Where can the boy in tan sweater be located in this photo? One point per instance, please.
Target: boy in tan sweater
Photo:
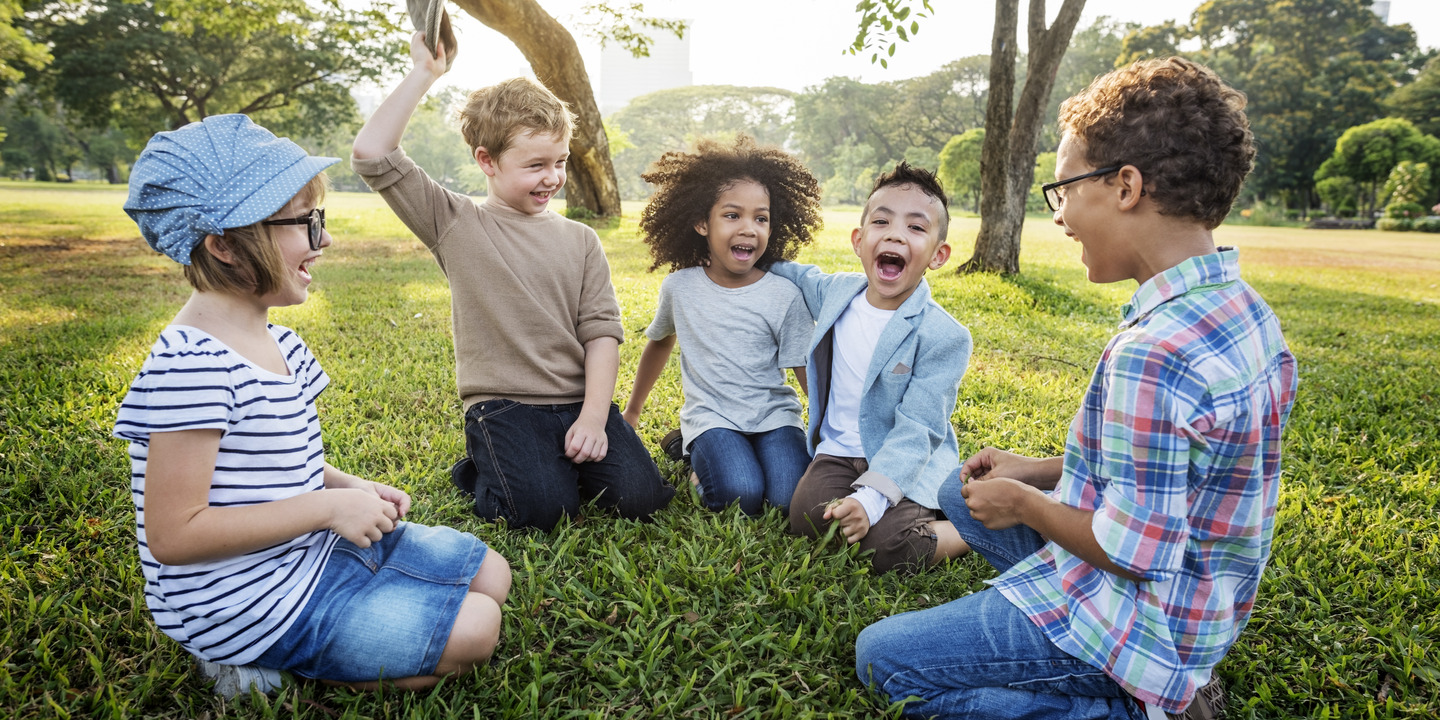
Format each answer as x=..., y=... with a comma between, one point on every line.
x=536, y=324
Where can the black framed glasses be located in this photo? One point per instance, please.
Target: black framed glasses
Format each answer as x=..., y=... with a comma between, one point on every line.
x=314, y=221
x=1054, y=198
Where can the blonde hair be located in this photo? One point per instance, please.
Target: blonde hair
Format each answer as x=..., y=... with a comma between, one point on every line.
x=257, y=264
x=493, y=116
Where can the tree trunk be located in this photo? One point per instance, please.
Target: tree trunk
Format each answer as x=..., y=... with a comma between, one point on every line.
x=555, y=58
x=1007, y=159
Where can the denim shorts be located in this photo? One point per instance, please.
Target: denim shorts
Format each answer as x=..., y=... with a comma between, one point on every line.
x=382, y=612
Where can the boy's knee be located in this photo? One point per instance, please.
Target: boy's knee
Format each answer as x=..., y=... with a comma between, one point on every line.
x=807, y=522
x=872, y=649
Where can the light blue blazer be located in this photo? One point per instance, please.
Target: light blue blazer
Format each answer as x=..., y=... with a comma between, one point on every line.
x=909, y=390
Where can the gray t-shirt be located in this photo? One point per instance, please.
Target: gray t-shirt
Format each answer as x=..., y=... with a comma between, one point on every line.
x=734, y=346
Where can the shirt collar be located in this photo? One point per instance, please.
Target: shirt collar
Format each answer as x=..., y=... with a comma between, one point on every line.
x=1218, y=268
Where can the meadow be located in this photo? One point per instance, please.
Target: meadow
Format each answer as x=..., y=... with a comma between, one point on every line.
x=699, y=614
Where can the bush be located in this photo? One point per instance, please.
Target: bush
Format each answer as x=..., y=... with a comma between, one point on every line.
x=1346, y=211
x=1395, y=224
x=1428, y=224
x=1292, y=214
x=577, y=212
x=1404, y=210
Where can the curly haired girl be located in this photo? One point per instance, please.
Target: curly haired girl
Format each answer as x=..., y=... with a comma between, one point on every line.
x=722, y=214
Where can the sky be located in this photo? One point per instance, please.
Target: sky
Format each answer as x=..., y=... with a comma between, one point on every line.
x=794, y=44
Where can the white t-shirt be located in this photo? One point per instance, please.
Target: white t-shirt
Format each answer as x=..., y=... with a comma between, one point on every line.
x=856, y=333
x=231, y=610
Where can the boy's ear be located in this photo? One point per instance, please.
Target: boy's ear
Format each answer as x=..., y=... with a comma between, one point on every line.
x=217, y=246
x=941, y=256
x=488, y=163
x=855, y=240
x=1131, y=185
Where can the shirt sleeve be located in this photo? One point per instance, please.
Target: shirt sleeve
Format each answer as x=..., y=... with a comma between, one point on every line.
x=1146, y=441
x=179, y=388
x=663, y=325
x=874, y=502
x=812, y=281
x=796, y=330
x=423, y=205
x=599, y=310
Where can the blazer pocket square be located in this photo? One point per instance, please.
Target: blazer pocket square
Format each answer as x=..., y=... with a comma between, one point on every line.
x=901, y=369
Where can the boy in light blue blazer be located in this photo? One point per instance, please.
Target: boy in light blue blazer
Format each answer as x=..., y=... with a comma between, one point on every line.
x=884, y=369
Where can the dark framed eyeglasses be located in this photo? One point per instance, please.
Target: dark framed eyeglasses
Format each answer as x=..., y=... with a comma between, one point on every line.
x=1054, y=198
x=314, y=221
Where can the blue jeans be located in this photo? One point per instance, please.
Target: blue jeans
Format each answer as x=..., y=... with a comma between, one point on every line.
x=749, y=468
x=979, y=656
x=518, y=469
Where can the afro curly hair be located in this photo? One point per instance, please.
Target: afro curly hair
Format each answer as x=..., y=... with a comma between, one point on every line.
x=690, y=183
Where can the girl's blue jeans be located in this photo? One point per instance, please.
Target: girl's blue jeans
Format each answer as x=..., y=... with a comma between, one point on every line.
x=749, y=468
x=979, y=656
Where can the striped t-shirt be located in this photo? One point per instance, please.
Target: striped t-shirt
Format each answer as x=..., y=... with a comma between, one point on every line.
x=231, y=610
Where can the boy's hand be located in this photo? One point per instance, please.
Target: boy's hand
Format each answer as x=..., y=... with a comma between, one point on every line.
x=586, y=441
x=436, y=64
x=998, y=502
x=361, y=515
x=991, y=463
x=854, y=523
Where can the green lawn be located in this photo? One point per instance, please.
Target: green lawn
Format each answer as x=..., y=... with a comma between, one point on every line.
x=699, y=614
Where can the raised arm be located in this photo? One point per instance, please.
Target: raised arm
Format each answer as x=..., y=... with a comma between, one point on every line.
x=652, y=363
x=382, y=132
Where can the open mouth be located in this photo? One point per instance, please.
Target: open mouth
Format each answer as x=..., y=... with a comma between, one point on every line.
x=889, y=266
x=542, y=195
x=743, y=253
x=305, y=268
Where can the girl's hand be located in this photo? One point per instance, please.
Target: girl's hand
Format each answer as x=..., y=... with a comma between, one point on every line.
x=395, y=496
x=854, y=523
x=361, y=515
x=586, y=441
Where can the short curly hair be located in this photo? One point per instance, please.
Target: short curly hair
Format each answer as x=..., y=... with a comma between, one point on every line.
x=690, y=183
x=494, y=116
x=1176, y=121
x=906, y=174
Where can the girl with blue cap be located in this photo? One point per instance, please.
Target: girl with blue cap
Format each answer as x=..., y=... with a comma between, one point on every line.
x=258, y=555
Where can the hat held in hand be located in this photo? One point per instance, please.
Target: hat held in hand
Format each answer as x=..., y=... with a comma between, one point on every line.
x=429, y=17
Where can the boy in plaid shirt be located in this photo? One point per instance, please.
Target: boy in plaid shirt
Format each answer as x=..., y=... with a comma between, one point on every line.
x=1130, y=565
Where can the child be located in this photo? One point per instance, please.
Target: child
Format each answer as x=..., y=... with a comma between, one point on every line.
x=537, y=328
x=720, y=217
x=1133, y=576
x=884, y=370
x=257, y=554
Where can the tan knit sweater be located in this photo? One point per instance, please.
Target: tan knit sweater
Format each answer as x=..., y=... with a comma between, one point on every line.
x=526, y=291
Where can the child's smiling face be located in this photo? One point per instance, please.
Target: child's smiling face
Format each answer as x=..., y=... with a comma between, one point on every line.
x=898, y=242
x=737, y=231
x=528, y=173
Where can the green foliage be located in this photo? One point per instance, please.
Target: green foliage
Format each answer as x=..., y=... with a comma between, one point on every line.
x=1338, y=191
x=146, y=67
x=1368, y=153
x=17, y=51
x=1093, y=51
x=1309, y=70
x=674, y=119
x=1419, y=101
x=579, y=213
x=854, y=174
x=1392, y=224
x=1409, y=182
x=1404, y=210
x=1263, y=214
x=960, y=168
x=879, y=19
x=1044, y=173
x=626, y=24
x=700, y=614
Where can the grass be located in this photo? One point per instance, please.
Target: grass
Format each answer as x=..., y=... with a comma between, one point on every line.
x=698, y=614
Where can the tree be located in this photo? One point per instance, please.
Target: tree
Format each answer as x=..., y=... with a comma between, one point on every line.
x=157, y=65
x=1093, y=52
x=960, y=167
x=672, y=119
x=18, y=52
x=1419, y=102
x=1011, y=134
x=1368, y=153
x=1408, y=183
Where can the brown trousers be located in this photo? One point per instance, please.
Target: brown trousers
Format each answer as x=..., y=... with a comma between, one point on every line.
x=902, y=540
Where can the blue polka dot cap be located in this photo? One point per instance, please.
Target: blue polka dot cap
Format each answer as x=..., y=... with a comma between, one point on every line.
x=221, y=172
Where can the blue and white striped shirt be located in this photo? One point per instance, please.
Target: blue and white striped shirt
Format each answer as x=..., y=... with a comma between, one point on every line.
x=231, y=610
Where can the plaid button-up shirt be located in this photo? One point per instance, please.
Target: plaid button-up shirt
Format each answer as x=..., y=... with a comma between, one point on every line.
x=1176, y=450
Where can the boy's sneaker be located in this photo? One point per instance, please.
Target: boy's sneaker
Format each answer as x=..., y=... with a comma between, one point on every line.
x=674, y=445
x=1209, y=702
x=235, y=680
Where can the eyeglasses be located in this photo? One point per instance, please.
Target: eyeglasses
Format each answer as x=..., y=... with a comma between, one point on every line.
x=314, y=221
x=1054, y=198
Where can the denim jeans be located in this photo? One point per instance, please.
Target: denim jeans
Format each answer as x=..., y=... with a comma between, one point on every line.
x=979, y=656
x=749, y=468
x=521, y=472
